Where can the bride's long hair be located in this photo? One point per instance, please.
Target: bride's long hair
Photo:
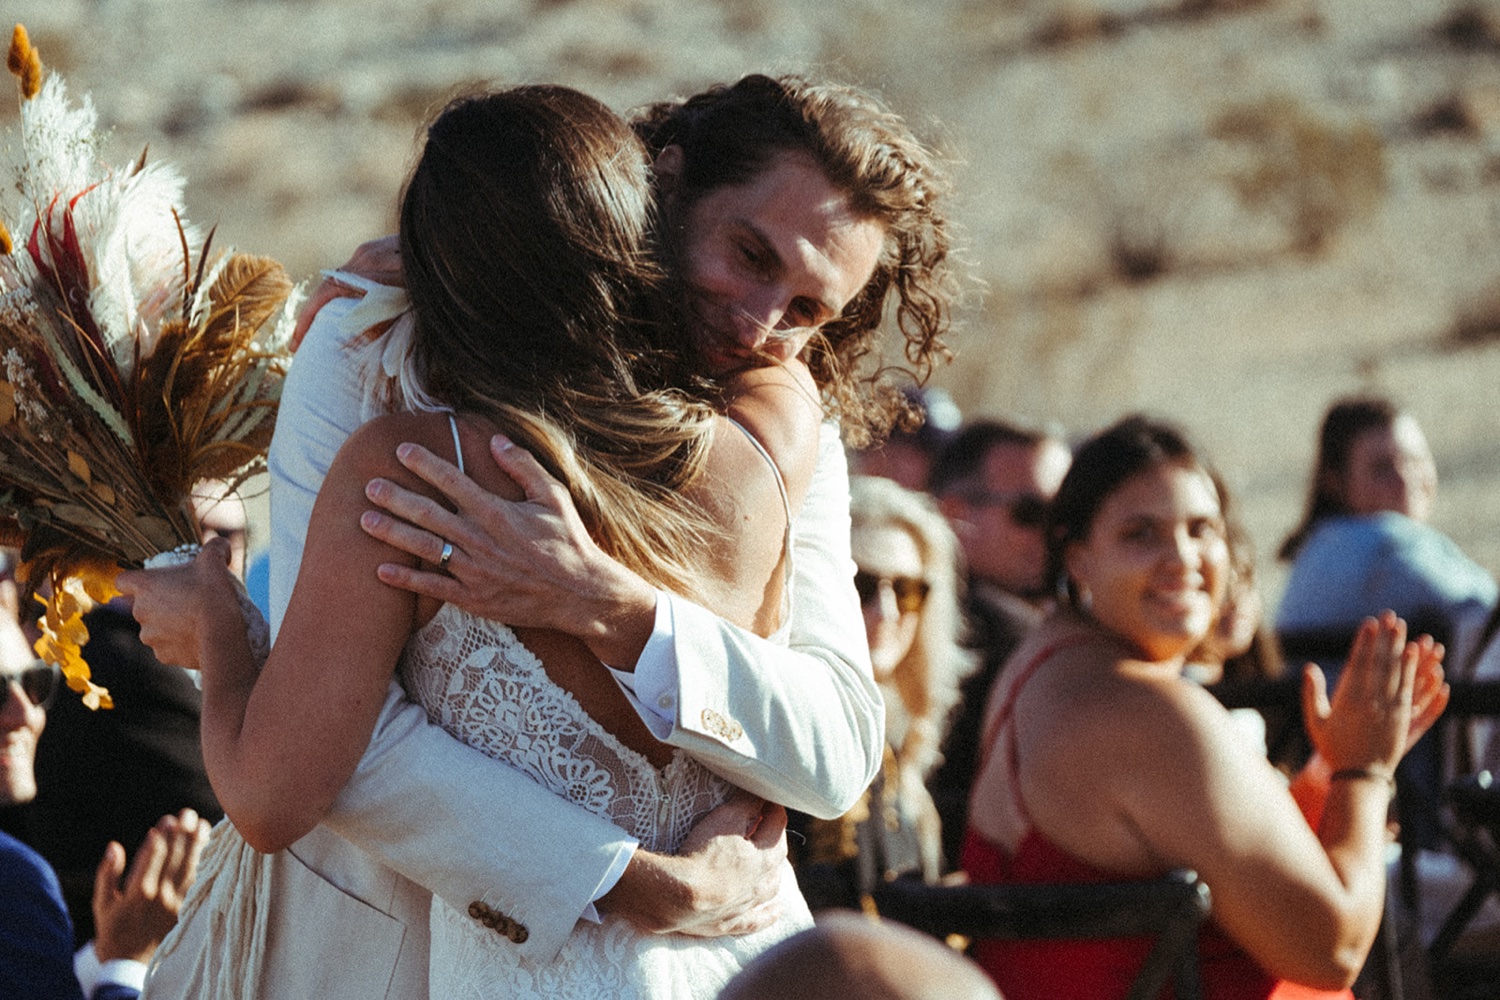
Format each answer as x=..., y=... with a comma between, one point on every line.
x=525, y=243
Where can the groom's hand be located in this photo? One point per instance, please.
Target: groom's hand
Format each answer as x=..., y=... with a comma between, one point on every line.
x=527, y=562
x=724, y=881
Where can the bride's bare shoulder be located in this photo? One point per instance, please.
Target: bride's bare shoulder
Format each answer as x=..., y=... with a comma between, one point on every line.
x=781, y=407
x=373, y=444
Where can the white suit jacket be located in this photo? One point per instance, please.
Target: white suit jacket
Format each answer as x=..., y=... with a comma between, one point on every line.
x=423, y=813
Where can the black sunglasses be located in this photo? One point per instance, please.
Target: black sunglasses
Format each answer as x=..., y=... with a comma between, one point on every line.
x=910, y=592
x=1026, y=510
x=39, y=682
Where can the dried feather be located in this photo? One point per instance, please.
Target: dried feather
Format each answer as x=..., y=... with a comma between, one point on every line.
x=248, y=292
x=191, y=291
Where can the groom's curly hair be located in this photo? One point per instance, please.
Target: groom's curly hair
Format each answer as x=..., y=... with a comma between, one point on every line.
x=730, y=133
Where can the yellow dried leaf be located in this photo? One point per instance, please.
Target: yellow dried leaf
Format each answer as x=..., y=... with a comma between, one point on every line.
x=79, y=466
x=97, y=697
x=7, y=246
x=100, y=490
x=98, y=582
x=20, y=45
x=64, y=636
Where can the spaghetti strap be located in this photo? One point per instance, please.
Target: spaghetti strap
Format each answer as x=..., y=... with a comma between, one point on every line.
x=786, y=535
x=786, y=503
x=1008, y=709
x=458, y=448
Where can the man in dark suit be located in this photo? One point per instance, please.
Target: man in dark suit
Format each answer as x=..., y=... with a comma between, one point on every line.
x=36, y=936
x=993, y=481
x=109, y=775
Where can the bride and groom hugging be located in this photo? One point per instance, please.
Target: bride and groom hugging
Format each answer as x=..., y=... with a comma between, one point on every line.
x=702, y=479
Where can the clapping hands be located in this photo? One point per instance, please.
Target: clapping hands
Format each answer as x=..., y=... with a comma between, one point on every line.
x=1390, y=693
x=133, y=914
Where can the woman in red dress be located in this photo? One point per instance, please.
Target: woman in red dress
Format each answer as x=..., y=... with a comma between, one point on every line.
x=1101, y=763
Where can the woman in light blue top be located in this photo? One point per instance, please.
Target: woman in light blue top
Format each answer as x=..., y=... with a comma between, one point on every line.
x=1364, y=544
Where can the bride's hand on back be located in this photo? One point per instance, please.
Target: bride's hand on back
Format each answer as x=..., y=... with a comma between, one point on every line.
x=528, y=562
x=377, y=259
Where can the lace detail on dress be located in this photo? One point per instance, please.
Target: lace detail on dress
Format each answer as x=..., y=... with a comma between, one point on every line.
x=481, y=684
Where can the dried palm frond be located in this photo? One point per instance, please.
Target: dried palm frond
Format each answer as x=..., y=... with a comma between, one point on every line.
x=135, y=362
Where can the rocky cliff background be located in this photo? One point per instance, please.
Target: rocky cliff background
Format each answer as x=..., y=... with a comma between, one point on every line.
x=1225, y=211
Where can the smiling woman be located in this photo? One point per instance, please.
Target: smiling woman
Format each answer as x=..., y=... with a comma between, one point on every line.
x=1101, y=763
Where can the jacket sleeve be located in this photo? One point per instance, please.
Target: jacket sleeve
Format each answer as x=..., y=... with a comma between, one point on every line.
x=472, y=829
x=801, y=724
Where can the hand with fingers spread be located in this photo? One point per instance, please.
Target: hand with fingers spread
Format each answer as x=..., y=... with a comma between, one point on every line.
x=132, y=914
x=1390, y=692
x=377, y=259
x=528, y=563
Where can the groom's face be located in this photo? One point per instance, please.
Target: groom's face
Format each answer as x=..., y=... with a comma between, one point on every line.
x=769, y=261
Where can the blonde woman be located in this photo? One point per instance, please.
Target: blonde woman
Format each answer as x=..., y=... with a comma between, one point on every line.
x=907, y=579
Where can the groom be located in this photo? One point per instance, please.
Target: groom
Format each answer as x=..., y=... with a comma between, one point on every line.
x=752, y=177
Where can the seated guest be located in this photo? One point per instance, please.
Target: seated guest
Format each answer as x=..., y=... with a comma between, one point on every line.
x=1364, y=545
x=36, y=936
x=108, y=775
x=1100, y=762
x=907, y=581
x=1239, y=651
x=993, y=482
x=848, y=956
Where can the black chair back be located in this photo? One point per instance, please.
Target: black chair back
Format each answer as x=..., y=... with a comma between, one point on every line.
x=1171, y=909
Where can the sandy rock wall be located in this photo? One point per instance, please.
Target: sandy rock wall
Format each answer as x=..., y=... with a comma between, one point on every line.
x=1227, y=211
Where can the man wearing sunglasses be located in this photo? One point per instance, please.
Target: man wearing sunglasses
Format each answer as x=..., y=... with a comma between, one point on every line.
x=993, y=482
x=36, y=936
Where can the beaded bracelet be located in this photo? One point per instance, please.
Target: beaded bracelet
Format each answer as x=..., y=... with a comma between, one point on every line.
x=1365, y=774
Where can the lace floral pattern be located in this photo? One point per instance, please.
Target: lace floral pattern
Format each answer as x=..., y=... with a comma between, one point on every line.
x=481, y=684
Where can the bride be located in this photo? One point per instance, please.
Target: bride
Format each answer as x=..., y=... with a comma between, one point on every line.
x=524, y=245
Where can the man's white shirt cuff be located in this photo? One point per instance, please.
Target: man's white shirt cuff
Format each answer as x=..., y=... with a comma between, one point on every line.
x=652, y=686
x=93, y=973
x=611, y=878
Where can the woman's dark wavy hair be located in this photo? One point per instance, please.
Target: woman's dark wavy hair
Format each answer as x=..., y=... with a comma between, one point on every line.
x=524, y=233
x=1101, y=465
x=1345, y=421
x=729, y=134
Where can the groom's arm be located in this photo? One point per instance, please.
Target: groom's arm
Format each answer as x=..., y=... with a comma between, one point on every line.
x=800, y=724
x=473, y=830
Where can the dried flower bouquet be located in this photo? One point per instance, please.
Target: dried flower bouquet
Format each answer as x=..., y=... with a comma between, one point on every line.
x=135, y=363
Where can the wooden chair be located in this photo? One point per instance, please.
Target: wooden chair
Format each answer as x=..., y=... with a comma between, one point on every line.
x=1170, y=908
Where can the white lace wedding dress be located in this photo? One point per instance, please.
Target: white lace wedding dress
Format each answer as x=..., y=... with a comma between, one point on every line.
x=478, y=681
